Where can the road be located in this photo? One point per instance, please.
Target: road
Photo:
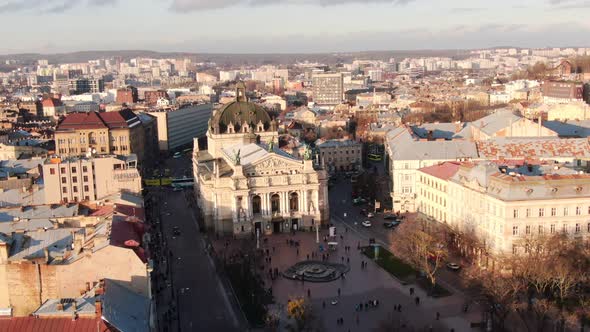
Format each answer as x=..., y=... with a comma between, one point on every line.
x=196, y=290
x=346, y=214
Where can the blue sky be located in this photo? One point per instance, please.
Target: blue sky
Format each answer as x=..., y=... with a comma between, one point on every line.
x=282, y=26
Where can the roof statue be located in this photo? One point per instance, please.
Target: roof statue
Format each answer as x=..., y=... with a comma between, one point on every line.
x=271, y=146
x=307, y=152
x=237, y=158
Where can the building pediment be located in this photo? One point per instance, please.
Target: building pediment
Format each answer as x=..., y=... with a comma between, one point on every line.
x=273, y=163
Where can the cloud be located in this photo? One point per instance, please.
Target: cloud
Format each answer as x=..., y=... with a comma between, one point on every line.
x=570, y=4
x=466, y=10
x=194, y=5
x=49, y=6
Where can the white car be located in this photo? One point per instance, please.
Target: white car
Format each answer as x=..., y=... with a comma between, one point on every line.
x=177, y=155
x=370, y=215
x=366, y=223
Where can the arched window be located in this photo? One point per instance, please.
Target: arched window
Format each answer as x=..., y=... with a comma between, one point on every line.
x=256, y=205
x=275, y=203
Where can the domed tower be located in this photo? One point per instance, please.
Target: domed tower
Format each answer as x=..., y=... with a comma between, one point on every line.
x=240, y=122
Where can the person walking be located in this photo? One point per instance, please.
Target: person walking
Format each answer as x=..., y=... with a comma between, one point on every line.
x=437, y=315
x=308, y=292
x=417, y=300
x=338, y=291
x=411, y=290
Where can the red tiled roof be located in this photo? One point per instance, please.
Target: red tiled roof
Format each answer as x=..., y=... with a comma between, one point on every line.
x=26, y=324
x=442, y=171
x=90, y=120
x=106, y=210
x=113, y=119
x=130, y=211
x=51, y=102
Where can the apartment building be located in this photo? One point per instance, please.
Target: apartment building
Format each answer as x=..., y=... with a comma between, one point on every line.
x=89, y=179
x=340, y=155
x=328, y=88
x=562, y=91
x=121, y=132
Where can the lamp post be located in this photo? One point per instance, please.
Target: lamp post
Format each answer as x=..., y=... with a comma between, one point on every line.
x=317, y=233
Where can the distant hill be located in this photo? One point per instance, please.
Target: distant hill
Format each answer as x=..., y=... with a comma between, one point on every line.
x=236, y=59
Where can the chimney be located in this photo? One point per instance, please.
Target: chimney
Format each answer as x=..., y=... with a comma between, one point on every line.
x=98, y=306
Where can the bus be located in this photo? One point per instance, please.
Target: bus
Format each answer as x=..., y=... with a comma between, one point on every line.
x=183, y=182
x=374, y=157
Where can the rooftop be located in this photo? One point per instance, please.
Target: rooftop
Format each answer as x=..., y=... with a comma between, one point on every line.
x=442, y=171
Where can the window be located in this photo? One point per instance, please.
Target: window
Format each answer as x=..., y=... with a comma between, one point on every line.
x=407, y=190
x=541, y=229
x=86, y=188
x=75, y=189
x=541, y=212
x=528, y=230
x=515, y=213
x=528, y=213
x=565, y=211
x=85, y=178
x=514, y=230
x=73, y=169
x=86, y=198
x=74, y=179
x=63, y=169
x=552, y=228
x=588, y=227
x=64, y=190
x=64, y=180
x=52, y=171
x=578, y=210
x=553, y=212
x=578, y=228
x=514, y=249
x=84, y=169
x=564, y=228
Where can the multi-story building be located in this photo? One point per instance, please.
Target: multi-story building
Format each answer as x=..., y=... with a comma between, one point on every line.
x=89, y=179
x=52, y=107
x=121, y=133
x=503, y=205
x=151, y=97
x=340, y=155
x=178, y=127
x=128, y=95
x=328, y=88
x=562, y=91
x=432, y=189
x=244, y=184
x=86, y=85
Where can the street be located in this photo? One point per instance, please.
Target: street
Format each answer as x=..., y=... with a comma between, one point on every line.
x=192, y=288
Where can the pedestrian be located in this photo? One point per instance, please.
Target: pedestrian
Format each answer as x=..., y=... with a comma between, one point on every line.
x=347, y=259
x=324, y=304
x=399, y=308
x=342, y=237
x=338, y=291
x=297, y=251
x=342, y=258
x=307, y=256
x=411, y=290
x=362, y=264
x=437, y=315
x=308, y=292
x=273, y=249
x=417, y=300
x=269, y=259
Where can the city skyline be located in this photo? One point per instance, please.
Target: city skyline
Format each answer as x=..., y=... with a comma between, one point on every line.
x=314, y=26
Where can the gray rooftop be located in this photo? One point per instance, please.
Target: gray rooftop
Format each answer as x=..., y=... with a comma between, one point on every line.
x=31, y=245
x=39, y=212
x=570, y=128
x=444, y=130
x=124, y=309
x=250, y=153
x=84, y=306
x=404, y=147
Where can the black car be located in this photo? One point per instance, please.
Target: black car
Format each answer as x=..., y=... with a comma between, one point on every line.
x=390, y=217
x=391, y=224
x=175, y=231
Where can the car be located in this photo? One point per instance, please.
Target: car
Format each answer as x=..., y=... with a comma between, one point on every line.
x=366, y=223
x=390, y=217
x=177, y=155
x=177, y=189
x=391, y=224
x=175, y=231
x=370, y=215
x=453, y=266
x=359, y=201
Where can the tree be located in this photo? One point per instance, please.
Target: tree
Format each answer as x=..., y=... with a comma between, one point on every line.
x=301, y=314
x=423, y=248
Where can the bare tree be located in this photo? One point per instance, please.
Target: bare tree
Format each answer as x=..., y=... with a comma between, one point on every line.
x=423, y=249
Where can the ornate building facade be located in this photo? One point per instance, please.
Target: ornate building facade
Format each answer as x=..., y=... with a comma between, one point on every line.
x=245, y=184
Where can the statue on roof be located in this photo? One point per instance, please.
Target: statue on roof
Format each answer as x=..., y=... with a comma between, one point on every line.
x=307, y=152
x=271, y=145
x=237, y=158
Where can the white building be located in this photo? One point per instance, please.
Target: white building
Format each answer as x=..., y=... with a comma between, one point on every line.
x=244, y=184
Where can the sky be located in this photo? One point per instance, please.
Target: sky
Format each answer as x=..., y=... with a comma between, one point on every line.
x=289, y=26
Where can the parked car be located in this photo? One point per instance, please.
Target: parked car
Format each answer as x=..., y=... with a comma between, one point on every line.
x=177, y=155
x=370, y=215
x=175, y=231
x=359, y=201
x=390, y=217
x=367, y=223
x=391, y=224
x=453, y=266
x=363, y=212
